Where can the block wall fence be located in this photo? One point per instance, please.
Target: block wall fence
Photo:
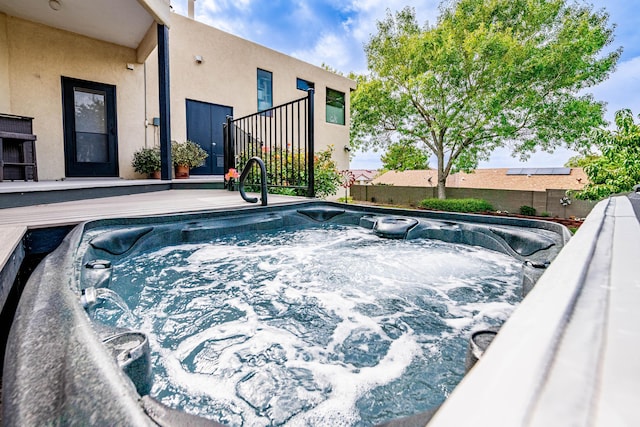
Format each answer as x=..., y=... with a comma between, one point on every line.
x=504, y=200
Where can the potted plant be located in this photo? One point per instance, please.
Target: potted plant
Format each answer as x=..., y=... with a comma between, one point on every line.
x=187, y=155
x=147, y=161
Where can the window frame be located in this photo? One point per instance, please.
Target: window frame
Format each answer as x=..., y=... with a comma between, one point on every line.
x=307, y=83
x=341, y=119
x=267, y=88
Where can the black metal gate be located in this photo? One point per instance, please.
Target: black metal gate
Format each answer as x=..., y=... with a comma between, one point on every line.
x=283, y=137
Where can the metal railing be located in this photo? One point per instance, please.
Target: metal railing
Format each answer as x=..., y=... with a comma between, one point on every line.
x=283, y=137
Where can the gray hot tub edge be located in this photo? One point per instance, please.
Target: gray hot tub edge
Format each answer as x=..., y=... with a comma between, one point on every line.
x=568, y=355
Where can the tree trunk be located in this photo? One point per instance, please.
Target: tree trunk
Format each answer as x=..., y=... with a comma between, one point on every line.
x=442, y=179
x=442, y=192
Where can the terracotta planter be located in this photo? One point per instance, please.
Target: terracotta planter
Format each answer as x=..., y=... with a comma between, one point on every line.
x=155, y=175
x=182, y=172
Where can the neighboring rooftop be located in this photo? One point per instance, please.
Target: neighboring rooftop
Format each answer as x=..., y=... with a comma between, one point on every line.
x=500, y=179
x=364, y=175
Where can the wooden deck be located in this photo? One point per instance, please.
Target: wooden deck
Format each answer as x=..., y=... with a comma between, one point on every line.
x=14, y=222
x=134, y=205
x=19, y=194
x=10, y=237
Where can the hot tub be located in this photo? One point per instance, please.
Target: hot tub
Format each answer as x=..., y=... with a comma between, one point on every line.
x=220, y=330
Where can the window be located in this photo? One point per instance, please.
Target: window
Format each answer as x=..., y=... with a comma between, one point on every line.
x=335, y=107
x=265, y=90
x=305, y=85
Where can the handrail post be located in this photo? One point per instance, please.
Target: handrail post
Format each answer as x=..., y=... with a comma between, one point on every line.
x=311, y=150
x=229, y=149
x=263, y=181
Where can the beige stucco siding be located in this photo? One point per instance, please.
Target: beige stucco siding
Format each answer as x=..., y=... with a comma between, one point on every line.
x=38, y=57
x=5, y=88
x=34, y=57
x=228, y=74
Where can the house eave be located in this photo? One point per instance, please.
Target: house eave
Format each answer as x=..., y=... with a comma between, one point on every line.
x=121, y=22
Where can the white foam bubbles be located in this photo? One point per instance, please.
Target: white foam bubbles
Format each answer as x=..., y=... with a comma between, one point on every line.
x=301, y=328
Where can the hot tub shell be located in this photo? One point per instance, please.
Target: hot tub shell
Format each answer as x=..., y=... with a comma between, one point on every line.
x=57, y=366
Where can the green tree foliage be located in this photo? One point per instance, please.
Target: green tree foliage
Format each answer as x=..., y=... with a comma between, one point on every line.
x=581, y=160
x=489, y=73
x=618, y=169
x=401, y=156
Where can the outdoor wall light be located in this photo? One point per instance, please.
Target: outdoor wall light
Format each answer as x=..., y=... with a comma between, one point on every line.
x=347, y=148
x=198, y=59
x=55, y=5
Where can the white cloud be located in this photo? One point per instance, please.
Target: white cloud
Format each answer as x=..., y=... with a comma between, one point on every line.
x=365, y=15
x=501, y=158
x=227, y=15
x=366, y=160
x=368, y=12
x=343, y=47
x=621, y=89
x=302, y=12
x=235, y=26
x=222, y=6
x=331, y=48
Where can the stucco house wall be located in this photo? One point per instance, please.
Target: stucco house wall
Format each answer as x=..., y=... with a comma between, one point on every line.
x=227, y=76
x=34, y=57
x=5, y=92
x=38, y=56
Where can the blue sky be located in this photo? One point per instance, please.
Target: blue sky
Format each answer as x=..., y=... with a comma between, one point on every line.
x=334, y=32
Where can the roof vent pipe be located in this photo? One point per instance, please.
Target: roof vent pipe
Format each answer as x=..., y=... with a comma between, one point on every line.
x=192, y=7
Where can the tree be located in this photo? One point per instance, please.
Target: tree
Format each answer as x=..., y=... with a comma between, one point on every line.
x=401, y=156
x=617, y=170
x=581, y=160
x=488, y=74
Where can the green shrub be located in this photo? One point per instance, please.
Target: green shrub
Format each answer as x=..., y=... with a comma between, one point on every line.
x=287, y=175
x=545, y=214
x=188, y=153
x=283, y=191
x=326, y=176
x=457, y=205
x=146, y=160
x=527, y=210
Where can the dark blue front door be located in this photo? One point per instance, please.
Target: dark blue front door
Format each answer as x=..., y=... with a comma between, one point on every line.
x=205, y=127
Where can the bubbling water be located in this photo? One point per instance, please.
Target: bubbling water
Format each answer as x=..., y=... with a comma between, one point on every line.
x=327, y=326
